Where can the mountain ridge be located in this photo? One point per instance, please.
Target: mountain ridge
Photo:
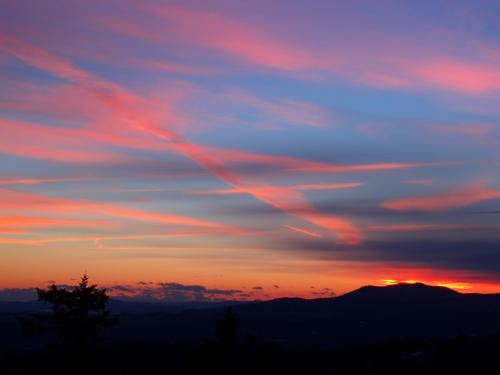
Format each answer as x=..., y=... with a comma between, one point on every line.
x=366, y=315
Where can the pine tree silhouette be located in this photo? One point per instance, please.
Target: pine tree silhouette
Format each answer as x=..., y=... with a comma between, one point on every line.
x=76, y=315
x=226, y=329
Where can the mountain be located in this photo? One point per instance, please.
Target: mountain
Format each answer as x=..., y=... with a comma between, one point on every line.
x=367, y=315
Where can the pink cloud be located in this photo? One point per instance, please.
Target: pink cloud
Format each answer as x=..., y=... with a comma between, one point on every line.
x=333, y=186
x=459, y=197
x=231, y=37
x=395, y=62
x=479, y=130
x=303, y=166
x=457, y=75
x=434, y=71
x=390, y=69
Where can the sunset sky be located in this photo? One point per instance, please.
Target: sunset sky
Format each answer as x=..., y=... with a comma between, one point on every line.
x=249, y=149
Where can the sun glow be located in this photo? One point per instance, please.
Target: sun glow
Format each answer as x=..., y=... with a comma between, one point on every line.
x=450, y=285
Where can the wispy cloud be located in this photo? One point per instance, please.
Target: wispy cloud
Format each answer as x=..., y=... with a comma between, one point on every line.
x=303, y=231
x=460, y=197
x=36, y=181
x=18, y=201
x=325, y=186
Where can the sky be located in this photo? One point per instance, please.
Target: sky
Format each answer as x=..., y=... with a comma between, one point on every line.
x=206, y=150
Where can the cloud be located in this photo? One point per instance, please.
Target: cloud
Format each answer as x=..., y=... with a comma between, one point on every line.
x=459, y=197
x=478, y=130
x=16, y=202
x=121, y=288
x=325, y=292
x=146, y=291
x=303, y=231
x=36, y=181
x=392, y=54
x=176, y=292
x=21, y=224
x=297, y=165
x=429, y=227
x=456, y=75
x=220, y=33
x=326, y=186
x=284, y=110
x=63, y=145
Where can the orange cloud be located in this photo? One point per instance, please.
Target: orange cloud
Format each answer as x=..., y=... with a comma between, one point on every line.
x=17, y=201
x=459, y=197
x=51, y=143
x=20, y=223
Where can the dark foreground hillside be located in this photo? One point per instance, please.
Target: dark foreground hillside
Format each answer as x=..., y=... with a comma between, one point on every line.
x=422, y=357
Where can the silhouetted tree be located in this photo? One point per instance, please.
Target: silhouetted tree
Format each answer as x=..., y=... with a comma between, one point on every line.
x=226, y=330
x=77, y=314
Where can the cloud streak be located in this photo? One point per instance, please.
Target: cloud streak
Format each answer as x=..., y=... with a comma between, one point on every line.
x=18, y=201
x=460, y=197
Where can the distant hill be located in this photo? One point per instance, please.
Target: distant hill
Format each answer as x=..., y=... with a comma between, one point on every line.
x=118, y=306
x=367, y=315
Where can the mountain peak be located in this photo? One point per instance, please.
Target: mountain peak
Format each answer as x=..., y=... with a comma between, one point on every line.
x=414, y=290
